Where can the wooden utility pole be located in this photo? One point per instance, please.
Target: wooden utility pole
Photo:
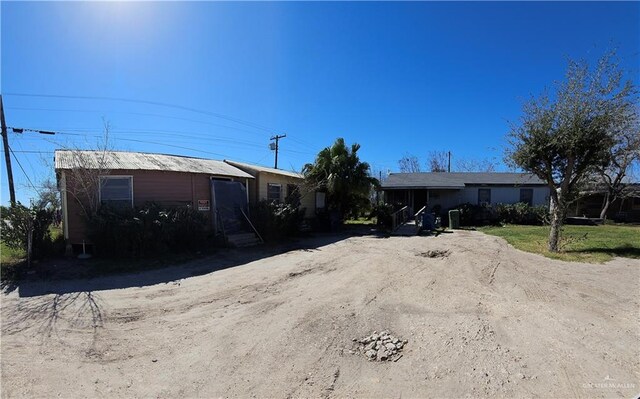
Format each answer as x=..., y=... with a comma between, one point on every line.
x=276, y=138
x=7, y=155
x=449, y=163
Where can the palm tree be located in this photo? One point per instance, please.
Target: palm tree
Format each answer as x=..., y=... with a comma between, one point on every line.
x=339, y=173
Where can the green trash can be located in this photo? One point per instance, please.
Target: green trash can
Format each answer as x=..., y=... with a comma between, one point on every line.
x=454, y=219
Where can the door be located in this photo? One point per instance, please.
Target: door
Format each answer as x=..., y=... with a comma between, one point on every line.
x=229, y=200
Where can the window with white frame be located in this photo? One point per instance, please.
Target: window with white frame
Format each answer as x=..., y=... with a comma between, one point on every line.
x=274, y=192
x=116, y=190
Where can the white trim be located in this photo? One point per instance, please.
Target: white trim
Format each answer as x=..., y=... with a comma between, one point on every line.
x=113, y=177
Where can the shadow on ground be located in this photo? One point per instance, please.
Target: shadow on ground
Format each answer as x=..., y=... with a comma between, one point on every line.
x=223, y=259
x=80, y=309
x=625, y=251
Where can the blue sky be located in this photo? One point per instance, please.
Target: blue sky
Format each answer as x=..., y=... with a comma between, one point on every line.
x=395, y=77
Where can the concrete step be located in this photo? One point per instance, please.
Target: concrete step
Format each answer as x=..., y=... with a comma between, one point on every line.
x=408, y=229
x=243, y=240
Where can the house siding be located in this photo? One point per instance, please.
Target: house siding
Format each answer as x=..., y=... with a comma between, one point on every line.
x=449, y=198
x=307, y=200
x=164, y=188
x=505, y=195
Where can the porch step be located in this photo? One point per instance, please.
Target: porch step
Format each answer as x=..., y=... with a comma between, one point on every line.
x=243, y=240
x=408, y=229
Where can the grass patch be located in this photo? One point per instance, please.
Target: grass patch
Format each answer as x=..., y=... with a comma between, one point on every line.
x=361, y=221
x=12, y=261
x=593, y=244
x=10, y=256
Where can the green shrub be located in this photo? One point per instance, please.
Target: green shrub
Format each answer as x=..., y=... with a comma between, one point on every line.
x=276, y=221
x=522, y=213
x=146, y=231
x=473, y=215
x=16, y=222
x=383, y=214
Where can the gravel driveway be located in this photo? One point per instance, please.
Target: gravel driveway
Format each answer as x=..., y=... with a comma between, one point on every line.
x=480, y=319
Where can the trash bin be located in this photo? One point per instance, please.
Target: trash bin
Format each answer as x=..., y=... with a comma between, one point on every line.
x=454, y=219
x=428, y=221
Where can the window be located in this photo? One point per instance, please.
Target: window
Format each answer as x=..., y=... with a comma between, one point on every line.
x=293, y=195
x=273, y=192
x=116, y=190
x=291, y=188
x=526, y=196
x=484, y=196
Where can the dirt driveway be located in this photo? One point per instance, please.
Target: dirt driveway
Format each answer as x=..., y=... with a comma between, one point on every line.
x=484, y=320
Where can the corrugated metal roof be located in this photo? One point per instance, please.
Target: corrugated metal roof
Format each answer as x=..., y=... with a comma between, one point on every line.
x=122, y=160
x=258, y=168
x=457, y=180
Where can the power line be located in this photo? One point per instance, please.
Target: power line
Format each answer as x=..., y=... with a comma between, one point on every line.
x=156, y=103
x=171, y=133
x=23, y=171
x=33, y=152
x=139, y=114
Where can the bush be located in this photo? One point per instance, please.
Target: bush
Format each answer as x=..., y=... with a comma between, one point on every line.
x=16, y=222
x=522, y=213
x=473, y=215
x=383, y=213
x=146, y=231
x=276, y=221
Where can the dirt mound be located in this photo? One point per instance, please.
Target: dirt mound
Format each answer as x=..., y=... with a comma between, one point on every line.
x=435, y=253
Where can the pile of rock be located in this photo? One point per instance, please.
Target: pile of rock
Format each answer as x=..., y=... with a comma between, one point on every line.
x=380, y=346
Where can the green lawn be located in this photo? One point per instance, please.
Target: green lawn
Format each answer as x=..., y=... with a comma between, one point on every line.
x=594, y=244
x=361, y=221
x=10, y=256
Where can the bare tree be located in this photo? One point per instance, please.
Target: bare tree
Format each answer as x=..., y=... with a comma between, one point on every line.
x=622, y=155
x=82, y=179
x=48, y=195
x=438, y=161
x=475, y=165
x=409, y=164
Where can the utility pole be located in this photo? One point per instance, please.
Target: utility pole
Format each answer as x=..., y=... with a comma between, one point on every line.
x=275, y=147
x=449, y=165
x=7, y=155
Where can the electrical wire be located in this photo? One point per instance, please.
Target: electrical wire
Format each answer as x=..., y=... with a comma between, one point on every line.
x=21, y=168
x=139, y=114
x=156, y=103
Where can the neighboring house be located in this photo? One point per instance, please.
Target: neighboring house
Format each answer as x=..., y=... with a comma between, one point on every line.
x=137, y=178
x=446, y=190
x=275, y=185
x=625, y=209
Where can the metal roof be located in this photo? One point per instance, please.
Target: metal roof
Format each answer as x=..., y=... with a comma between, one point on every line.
x=457, y=180
x=257, y=168
x=122, y=160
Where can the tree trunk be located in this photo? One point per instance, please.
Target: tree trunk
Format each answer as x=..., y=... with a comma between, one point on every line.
x=605, y=206
x=557, y=210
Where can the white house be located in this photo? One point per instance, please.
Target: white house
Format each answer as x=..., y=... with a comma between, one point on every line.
x=446, y=190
